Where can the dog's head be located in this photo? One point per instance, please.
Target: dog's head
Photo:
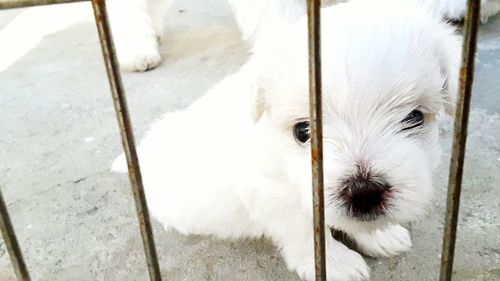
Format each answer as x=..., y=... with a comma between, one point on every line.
x=387, y=74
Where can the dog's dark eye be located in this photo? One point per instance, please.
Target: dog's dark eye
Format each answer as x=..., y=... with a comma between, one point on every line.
x=413, y=120
x=301, y=131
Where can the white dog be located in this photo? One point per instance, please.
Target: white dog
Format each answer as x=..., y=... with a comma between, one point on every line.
x=236, y=163
x=138, y=24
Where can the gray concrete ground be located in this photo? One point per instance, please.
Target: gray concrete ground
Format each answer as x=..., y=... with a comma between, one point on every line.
x=75, y=220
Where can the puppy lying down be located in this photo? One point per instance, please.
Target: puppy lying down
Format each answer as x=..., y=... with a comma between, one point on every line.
x=236, y=163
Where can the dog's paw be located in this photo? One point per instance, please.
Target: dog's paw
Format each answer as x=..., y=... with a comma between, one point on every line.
x=386, y=242
x=137, y=51
x=347, y=266
x=489, y=9
x=139, y=61
x=344, y=266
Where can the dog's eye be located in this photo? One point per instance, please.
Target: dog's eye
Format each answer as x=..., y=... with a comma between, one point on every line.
x=413, y=120
x=301, y=132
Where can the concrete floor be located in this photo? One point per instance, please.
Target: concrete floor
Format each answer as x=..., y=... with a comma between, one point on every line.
x=58, y=136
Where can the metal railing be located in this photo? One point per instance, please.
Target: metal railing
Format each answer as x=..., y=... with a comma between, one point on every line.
x=315, y=85
x=315, y=89
x=126, y=132
x=459, y=139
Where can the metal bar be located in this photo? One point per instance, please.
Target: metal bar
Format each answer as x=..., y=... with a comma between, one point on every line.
x=459, y=139
x=314, y=33
x=11, y=4
x=127, y=136
x=9, y=236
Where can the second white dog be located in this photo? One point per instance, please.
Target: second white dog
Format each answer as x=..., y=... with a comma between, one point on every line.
x=237, y=162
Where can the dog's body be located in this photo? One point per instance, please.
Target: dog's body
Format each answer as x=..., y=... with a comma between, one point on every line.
x=138, y=24
x=236, y=163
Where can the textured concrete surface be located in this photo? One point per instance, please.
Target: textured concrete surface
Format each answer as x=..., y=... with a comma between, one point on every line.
x=75, y=220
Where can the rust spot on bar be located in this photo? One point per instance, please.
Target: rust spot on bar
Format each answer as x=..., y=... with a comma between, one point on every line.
x=459, y=139
x=314, y=154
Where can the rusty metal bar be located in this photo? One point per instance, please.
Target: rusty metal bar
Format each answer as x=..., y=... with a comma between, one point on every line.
x=9, y=236
x=316, y=125
x=127, y=136
x=11, y=4
x=459, y=139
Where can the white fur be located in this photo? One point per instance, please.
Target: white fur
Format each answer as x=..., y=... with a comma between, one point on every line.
x=137, y=24
x=229, y=165
x=456, y=9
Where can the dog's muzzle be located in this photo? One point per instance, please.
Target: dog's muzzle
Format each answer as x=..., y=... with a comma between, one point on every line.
x=365, y=197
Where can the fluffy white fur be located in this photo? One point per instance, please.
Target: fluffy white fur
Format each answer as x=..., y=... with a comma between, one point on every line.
x=455, y=9
x=138, y=24
x=229, y=165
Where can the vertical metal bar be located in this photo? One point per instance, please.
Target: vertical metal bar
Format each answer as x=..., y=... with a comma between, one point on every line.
x=127, y=136
x=459, y=139
x=9, y=236
x=314, y=33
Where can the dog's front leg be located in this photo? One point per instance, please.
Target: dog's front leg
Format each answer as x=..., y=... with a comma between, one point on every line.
x=134, y=34
x=384, y=242
x=295, y=238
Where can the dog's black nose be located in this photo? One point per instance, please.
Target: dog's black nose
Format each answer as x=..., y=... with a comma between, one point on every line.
x=365, y=197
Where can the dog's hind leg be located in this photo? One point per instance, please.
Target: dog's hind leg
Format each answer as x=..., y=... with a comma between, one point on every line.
x=134, y=34
x=254, y=16
x=157, y=10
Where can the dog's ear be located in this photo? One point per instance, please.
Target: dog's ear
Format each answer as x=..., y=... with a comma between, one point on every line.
x=258, y=103
x=449, y=55
x=255, y=94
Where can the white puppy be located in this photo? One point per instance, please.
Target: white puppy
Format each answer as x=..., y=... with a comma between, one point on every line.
x=138, y=24
x=236, y=163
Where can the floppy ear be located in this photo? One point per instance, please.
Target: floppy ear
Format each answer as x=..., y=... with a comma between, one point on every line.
x=258, y=104
x=450, y=57
x=255, y=93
